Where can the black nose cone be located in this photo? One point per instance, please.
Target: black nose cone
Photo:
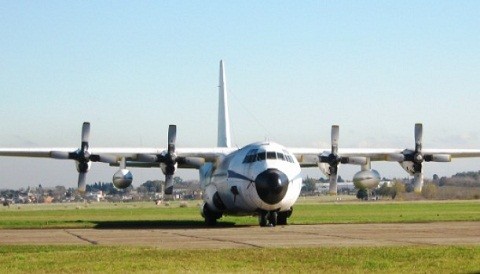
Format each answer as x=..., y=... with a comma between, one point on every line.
x=271, y=185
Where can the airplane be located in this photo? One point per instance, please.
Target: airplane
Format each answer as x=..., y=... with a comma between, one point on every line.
x=260, y=179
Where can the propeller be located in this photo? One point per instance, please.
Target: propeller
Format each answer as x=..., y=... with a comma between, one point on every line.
x=333, y=160
x=169, y=160
x=83, y=157
x=416, y=157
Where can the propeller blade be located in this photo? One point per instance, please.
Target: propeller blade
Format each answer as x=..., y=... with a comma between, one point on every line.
x=418, y=137
x=332, y=187
x=85, y=132
x=82, y=181
x=60, y=155
x=335, y=134
x=172, y=137
x=168, y=184
x=418, y=182
x=442, y=158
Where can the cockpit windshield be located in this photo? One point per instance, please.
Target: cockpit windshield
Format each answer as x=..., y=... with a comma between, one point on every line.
x=255, y=155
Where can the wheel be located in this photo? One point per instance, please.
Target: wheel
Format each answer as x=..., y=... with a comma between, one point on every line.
x=273, y=218
x=210, y=217
x=362, y=194
x=282, y=218
x=262, y=218
x=210, y=221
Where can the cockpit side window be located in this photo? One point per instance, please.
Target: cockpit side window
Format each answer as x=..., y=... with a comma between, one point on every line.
x=288, y=157
x=281, y=156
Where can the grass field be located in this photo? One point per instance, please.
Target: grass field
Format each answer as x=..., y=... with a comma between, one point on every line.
x=307, y=211
x=82, y=259
x=121, y=259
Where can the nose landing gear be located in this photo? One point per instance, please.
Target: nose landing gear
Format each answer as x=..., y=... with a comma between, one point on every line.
x=274, y=218
x=268, y=218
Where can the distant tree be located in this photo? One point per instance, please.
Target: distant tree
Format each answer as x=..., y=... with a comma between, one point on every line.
x=399, y=189
x=340, y=179
x=308, y=185
x=153, y=186
x=59, y=192
x=429, y=191
x=442, y=181
x=142, y=189
x=436, y=179
x=409, y=187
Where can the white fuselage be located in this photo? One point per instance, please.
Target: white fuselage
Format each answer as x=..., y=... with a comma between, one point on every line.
x=260, y=176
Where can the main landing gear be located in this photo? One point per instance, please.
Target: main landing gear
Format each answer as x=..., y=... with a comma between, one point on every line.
x=210, y=216
x=274, y=218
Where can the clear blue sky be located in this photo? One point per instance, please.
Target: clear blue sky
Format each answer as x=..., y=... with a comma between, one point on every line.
x=293, y=69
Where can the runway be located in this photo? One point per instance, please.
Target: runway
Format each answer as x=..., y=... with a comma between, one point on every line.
x=325, y=235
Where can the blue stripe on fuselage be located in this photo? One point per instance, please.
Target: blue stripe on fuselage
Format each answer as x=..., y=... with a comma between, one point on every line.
x=233, y=174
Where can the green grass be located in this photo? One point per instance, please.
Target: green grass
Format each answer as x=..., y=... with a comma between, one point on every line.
x=387, y=212
x=308, y=211
x=123, y=259
x=81, y=259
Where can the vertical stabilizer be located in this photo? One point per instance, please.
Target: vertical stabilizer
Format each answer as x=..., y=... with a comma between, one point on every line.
x=223, y=118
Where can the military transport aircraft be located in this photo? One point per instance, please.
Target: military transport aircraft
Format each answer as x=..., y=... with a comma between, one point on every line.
x=262, y=178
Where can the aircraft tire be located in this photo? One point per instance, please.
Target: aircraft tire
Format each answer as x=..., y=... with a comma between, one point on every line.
x=273, y=218
x=262, y=218
x=210, y=217
x=210, y=221
x=282, y=218
x=362, y=194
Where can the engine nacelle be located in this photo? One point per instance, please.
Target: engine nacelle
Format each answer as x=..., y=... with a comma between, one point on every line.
x=122, y=178
x=366, y=179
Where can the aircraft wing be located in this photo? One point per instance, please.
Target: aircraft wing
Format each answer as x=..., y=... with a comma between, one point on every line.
x=308, y=157
x=135, y=157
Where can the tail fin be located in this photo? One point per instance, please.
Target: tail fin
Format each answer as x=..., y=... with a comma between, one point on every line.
x=223, y=139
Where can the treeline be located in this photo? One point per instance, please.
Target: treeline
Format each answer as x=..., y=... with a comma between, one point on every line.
x=463, y=179
x=462, y=186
